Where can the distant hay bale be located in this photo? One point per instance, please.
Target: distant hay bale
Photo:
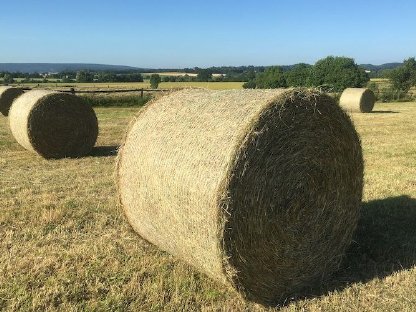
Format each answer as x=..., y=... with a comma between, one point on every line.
x=259, y=189
x=7, y=96
x=359, y=100
x=53, y=124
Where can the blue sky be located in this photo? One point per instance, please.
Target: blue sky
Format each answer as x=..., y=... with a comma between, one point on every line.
x=182, y=33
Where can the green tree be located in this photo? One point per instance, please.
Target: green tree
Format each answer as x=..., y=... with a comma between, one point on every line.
x=299, y=75
x=251, y=75
x=404, y=77
x=338, y=73
x=7, y=78
x=187, y=78
x=106, y=77
x=84, y=76
x=272, y=77
x=204, y=75
x=154, y=81
x=66, y=79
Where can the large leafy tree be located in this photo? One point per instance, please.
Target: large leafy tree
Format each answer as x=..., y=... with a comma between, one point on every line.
x=404, y=77
x=272, y=77
x=7, y=78
x=299, y=75
x=338, y=73
x=204, y=75
x=84, y=76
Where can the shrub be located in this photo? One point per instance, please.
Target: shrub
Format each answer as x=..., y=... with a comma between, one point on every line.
x=154, y=81
x=251, y=84
x=119, y=101
x=8, y=79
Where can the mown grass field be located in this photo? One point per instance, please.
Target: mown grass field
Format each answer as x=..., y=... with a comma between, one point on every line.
x=66, y=246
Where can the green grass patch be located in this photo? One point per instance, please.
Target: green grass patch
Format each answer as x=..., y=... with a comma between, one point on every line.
x=116, y=100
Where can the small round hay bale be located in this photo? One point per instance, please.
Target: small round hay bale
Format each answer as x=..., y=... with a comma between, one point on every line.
x=358, y=100
x=53, y=124
x=259, y=189
x=7, y=96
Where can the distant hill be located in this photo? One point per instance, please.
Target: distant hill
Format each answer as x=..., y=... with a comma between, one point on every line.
x=380, y=67
x=73, y=67
x=59, y=67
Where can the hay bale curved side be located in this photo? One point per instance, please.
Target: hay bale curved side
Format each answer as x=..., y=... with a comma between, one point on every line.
x=359, y=100
x=259, y=189
x=53, y=124
x=7, y=96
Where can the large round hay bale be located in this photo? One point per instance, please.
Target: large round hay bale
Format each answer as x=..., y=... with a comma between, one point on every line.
x=7, y=96
x=358, y=100
x=53, y=124
x=259, y=189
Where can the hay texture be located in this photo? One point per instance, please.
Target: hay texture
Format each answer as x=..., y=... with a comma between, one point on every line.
x=357, y=100
x=53, y=124
x=7, y=96
x=259, y=189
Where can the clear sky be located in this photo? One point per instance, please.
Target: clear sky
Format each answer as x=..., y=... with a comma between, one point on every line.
x=185, y=33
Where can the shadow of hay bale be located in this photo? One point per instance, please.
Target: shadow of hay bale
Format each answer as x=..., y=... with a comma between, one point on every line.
x=104, y=151
x=384, y=243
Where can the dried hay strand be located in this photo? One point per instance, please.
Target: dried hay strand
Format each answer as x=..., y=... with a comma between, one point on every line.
x=7, y=96
x=259, y=189
x=53, y=124
x=359, y=100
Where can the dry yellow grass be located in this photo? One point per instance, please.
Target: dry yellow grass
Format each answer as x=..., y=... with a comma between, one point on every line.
x=178, y=74
x=66, y=246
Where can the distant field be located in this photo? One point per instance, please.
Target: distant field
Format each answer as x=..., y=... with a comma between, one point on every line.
x=178, y=74
x=132, y=85
x=384, y=83
x=66, y=246
x=381, y=82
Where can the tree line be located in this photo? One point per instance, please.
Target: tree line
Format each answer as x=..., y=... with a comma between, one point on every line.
x=331, y=73
x=337, y=73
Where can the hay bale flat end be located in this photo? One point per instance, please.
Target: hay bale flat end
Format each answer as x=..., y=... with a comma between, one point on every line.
x=7, y=96
x=53, y=124
x=357, y=100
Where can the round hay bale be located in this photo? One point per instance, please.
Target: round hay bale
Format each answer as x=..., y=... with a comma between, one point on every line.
x=53, y=124
x=259, y=189
x=359, y=100
x=7, y=96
